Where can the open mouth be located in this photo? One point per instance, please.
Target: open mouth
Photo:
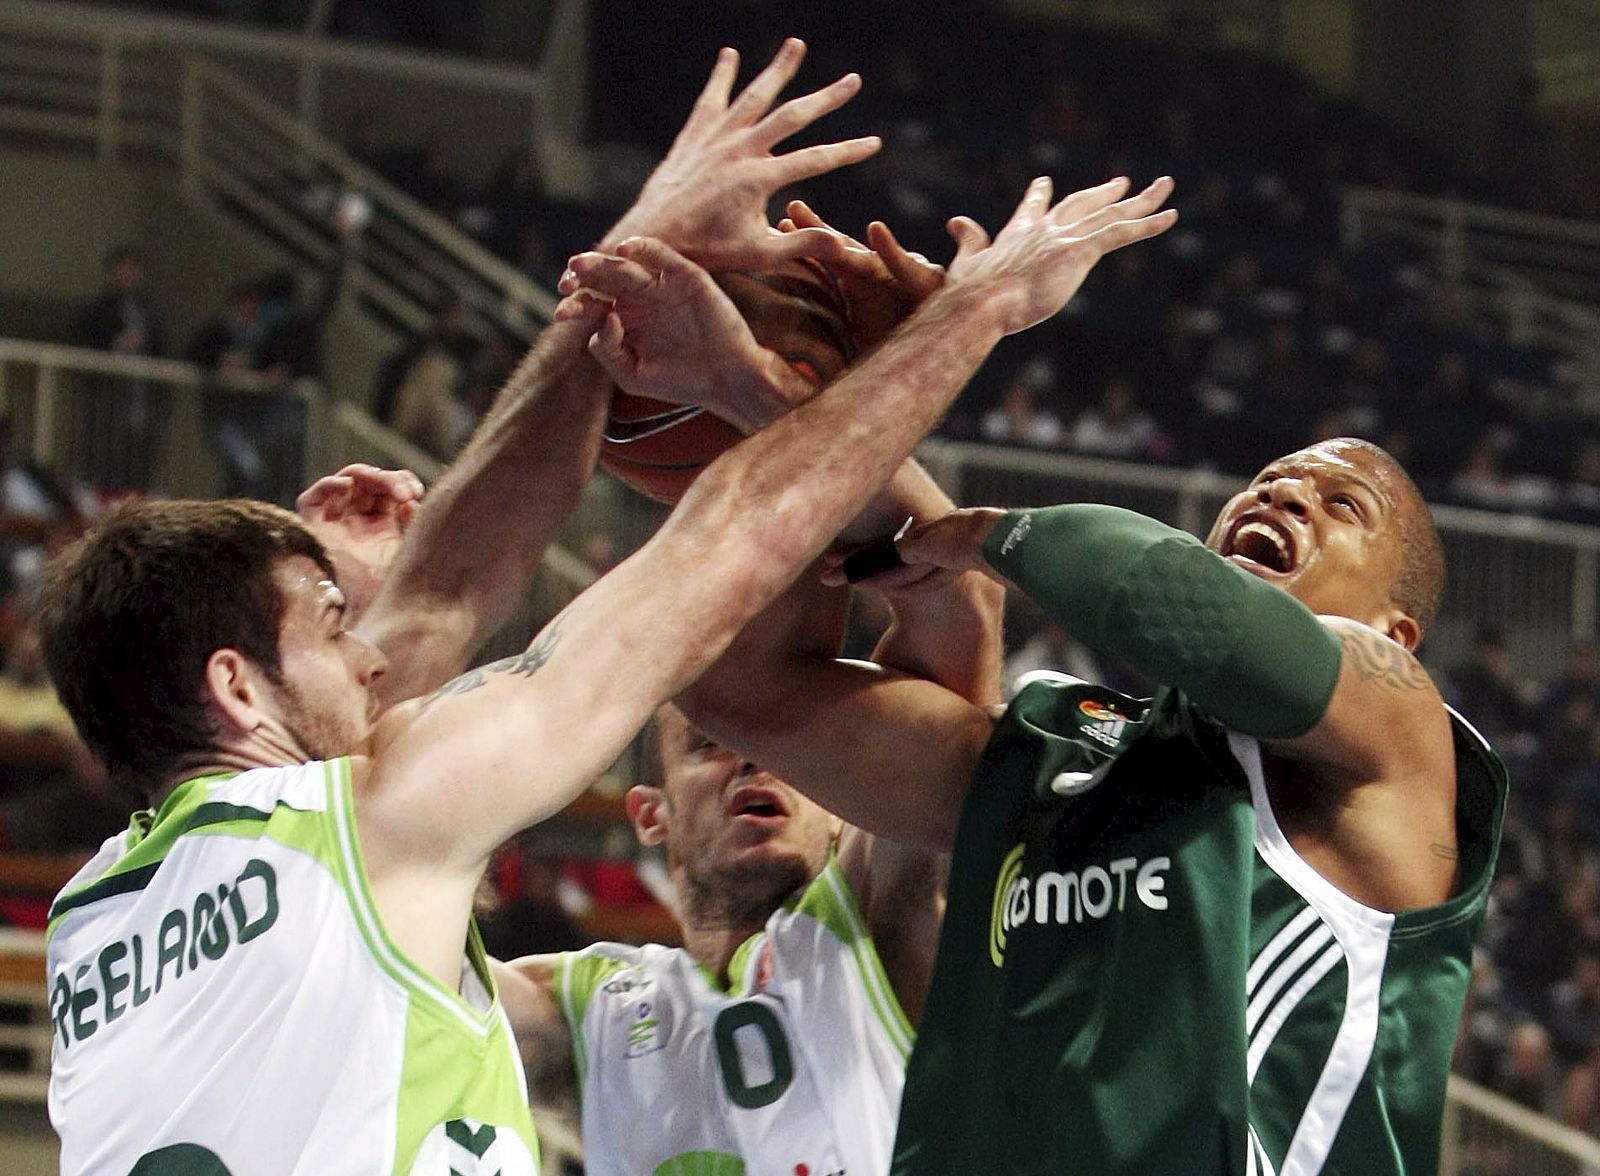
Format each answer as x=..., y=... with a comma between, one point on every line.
x=1259, y=542
x=756, y=802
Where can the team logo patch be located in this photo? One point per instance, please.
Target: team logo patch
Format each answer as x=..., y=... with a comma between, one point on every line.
x=1098, y=710
x=647, y=1029
x=999, y=921
x=1104, y=724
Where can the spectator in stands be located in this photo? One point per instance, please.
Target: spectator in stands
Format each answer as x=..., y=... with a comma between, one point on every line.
x=1367, y=388
x=53, y=795
x=1486, y=687
x=1580, y=1100
x=1019, y=418
x=1331, y=307
x=429, y=409
x=1117, y=426
x=37, y=738
x=230, y=343
x=1446, y=415
x=528, y=917
x=123, y=317
x=1484, y=480
x=38, y=511
x=1574, y=1017
x=447, y=331
x=1528, y=1073
x=122, y=417
x=1579, y=678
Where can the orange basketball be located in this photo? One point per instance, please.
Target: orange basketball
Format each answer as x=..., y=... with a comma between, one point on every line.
x=658, y=448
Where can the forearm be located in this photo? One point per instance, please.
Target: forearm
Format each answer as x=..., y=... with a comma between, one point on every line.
x=479, y=536
x=946, y=630
x=1245, y=651
x=949, y=634
x=788, y=490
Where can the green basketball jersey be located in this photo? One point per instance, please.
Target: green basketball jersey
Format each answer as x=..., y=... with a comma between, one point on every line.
x=1138, y=974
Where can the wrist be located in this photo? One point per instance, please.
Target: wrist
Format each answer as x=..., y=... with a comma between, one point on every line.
x=758, y=390
x=965, y=307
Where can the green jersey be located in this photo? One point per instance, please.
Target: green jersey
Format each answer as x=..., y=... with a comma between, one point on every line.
x=1138, y=973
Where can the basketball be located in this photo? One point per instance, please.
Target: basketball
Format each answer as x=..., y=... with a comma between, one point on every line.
x=657, y=448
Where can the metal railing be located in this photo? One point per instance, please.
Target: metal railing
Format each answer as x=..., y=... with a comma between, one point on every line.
x=1486, y=1134
x=1534, y=578
x=401, y=95
x=131, y=87
x=1543, y=272
x=120, y=422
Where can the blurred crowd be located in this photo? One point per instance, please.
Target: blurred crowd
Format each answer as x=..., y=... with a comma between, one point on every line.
x=1250, y=329
x=1532, y=1028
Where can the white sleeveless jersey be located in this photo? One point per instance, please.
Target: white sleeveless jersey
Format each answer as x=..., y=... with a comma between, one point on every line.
x=225, y=1002
x=796, y=1071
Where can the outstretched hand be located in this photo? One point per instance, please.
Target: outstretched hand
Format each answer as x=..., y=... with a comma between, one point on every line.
x=360, y=515
x=670, y=333
x=1037, y=262
x=881, y=282
x=708, y=197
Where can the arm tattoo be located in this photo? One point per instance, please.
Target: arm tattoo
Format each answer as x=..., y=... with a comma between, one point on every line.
x=526, y=663
x=1448, y=852
x=1374, y=657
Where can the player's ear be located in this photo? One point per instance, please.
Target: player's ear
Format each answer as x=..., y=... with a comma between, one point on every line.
x=1400, y=628
x=235, y=691
x=649, y=812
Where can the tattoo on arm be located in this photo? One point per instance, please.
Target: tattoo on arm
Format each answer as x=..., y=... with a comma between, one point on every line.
x=526, y=663
x=1449, y=852
x=1375, y=658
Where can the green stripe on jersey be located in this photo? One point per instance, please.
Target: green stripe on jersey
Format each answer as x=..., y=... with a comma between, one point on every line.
x=830, y=901
x=576, y=981
x=134, y=870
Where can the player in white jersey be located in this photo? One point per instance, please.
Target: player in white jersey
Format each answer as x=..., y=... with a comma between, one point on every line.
x=775, y=1040
x=192, y=641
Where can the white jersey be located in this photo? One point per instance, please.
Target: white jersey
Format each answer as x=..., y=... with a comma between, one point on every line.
x=795, y=1070
x=225, y=1002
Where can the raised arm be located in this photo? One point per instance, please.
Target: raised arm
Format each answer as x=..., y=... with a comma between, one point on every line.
x=475, y=545
x=1342, y=699
x=504, y=746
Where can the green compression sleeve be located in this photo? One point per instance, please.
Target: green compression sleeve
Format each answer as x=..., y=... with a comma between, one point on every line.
x=1245, y=652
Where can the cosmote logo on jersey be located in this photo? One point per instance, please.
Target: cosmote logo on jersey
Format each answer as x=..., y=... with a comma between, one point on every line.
x=1075, y=896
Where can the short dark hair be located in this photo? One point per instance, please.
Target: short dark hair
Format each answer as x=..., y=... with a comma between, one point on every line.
x=130, y=613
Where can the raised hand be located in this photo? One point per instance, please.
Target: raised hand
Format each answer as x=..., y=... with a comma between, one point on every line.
x=1037, y=262
x=881, y=282
x=708, y=197
x=360, y=514
x=672, y=334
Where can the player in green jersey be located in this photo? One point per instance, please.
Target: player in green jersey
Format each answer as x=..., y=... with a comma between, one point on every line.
x=1223, y=930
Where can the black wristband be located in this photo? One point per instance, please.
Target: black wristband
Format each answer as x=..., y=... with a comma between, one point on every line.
x=880, y=555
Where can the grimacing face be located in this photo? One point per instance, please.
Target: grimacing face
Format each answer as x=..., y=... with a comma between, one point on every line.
x=732, y=824
x=326, y=700
x=1325, y=524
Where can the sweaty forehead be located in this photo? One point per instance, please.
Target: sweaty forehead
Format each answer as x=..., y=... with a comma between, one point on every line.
x=305, y=585
x=1345, y=461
